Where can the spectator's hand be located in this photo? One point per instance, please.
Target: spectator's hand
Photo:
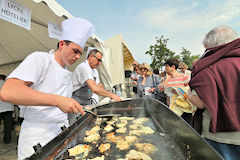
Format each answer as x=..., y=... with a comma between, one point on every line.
x=168, y=76
x=144, y=79
x=115, y=97
x=69, y=105
x=134, y=83
x=151, y=90
x=132, y=78
x=174, y=91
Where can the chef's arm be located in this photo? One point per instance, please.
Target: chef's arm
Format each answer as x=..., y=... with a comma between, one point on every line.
x=100, y=85
x=17, y=92
x=92, y=85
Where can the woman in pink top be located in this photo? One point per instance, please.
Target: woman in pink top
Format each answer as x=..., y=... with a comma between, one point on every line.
x=172, y=79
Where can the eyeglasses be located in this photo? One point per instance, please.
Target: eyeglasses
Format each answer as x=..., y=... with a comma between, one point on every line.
x=181, y=68
x=99, y=60
x=143, y=69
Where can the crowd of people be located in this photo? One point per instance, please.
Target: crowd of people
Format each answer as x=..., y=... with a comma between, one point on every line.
x=49, y=96
x=148, y=83
x=207, y=97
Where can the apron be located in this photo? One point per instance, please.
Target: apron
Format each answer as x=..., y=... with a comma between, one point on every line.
x=33, y=133
x=82, y=96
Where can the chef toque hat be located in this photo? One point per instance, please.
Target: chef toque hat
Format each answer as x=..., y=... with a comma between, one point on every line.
x=77, y=30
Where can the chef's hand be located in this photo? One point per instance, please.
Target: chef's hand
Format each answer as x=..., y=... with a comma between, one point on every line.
x=115, y=97
x=69, y=105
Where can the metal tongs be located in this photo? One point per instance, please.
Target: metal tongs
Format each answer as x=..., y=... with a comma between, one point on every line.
x=101, y=116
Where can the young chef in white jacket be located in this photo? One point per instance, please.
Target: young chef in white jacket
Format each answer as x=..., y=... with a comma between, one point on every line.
x=42, y=85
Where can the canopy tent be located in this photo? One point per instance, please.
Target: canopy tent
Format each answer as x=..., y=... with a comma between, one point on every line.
x=120, y=58
x=128, y=58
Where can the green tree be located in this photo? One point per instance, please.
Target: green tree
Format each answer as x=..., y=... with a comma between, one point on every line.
x=187, y=58
x=160, y=53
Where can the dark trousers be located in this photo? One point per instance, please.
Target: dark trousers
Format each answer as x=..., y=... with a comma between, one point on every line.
x=228, y=151
x=8, y=122
x=187, y=117
x=134, y=89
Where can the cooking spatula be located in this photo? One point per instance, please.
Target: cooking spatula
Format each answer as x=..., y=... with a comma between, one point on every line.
x=101, y=116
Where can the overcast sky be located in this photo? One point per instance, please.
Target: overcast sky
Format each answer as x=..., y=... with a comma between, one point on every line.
x=184, y=22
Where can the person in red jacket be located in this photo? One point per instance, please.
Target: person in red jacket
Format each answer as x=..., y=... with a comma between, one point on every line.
x=215, y=85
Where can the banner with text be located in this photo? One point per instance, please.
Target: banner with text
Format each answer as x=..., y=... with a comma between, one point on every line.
x=13, y=12
x=54, y=30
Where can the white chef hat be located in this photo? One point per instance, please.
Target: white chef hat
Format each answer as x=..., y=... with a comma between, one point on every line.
x=77, y=30
x=88, y=51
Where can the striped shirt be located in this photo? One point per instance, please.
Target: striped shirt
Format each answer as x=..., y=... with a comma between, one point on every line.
x=178, y=81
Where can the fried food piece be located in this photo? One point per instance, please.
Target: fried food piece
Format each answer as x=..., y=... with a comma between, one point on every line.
x=114, y=119
x=136, y=126
x=143, y=130
x=120, y=125
x=98, y=158
x=104, y=147
x=111, y=137
x=121, y=130
x=93, y=130
x=133, y=155
x=126, y=118
x=147, y=130
x=124, y=121
x=141, y=120
x=145, y=147
x=108, y=128
x=79, y=149
x=121, y=144
x=92, y=138
x=119, y=139
x=131, y=139
x=98, y=121
x=111, y=122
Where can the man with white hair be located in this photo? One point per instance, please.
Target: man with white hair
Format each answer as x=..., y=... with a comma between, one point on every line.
x=42, y=86
x=216, y=91
x=86, y=83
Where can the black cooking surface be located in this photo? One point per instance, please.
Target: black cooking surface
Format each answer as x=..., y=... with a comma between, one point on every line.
x=165, y=148
x=173, y=137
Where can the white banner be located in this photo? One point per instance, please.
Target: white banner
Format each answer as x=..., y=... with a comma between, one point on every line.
x=13, y=12
x=54, y=30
